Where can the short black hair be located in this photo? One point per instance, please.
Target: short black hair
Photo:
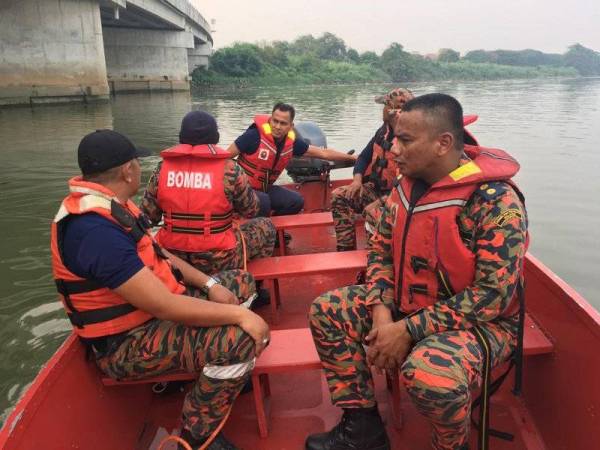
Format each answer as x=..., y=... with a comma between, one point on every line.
x=285, y=107
x=443, y=111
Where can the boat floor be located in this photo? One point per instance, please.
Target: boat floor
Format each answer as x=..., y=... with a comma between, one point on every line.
x=300, y=402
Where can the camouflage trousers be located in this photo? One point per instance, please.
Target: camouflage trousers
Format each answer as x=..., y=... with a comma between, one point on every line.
x=258, y=236
x=367, y=202
x=439, y=373
x=223, y=358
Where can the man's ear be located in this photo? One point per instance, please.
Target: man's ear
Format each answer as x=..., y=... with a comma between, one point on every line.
x=126, y=171
x=446, y=143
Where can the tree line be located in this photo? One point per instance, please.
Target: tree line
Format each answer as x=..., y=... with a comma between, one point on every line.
x=327, y=58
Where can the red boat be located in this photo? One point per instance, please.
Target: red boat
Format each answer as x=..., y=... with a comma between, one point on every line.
x=71, y=406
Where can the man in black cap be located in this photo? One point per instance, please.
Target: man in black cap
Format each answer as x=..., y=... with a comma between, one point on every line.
x=196, y=190
x=127, y=300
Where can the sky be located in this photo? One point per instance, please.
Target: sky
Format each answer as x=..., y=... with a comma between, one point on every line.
x=423, y=26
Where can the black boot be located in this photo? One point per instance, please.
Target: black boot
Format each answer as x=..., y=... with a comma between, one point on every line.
x=219, y=443
x=263, y=297
x=359, y=429
x=287, y=239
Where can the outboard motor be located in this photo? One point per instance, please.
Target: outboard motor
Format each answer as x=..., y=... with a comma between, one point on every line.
x=308, y=169
x=305, y=169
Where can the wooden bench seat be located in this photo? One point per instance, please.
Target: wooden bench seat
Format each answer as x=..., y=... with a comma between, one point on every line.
x=276, y=267
x=308, y=220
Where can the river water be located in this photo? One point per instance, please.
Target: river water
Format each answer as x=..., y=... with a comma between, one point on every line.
x=552, y=127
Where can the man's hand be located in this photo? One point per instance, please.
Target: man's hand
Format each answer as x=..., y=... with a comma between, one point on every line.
x=353, y=189
x=381, y=316
x=257, y=328
x=389, y=345
x=220, y=294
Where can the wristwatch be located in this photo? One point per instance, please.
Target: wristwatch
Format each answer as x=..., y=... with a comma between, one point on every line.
x=209, y=283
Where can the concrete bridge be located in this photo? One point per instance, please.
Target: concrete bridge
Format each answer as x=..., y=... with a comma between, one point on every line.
x=81, y=50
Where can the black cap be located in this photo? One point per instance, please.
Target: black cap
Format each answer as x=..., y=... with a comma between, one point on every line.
x=105, y=149
x=197, y=128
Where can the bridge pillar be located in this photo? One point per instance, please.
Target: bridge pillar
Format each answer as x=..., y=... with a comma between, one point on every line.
x=198, y=56
x=147, y=60
x=51, y=50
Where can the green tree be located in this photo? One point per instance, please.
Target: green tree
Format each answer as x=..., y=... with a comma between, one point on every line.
x=479, y=56
x=448, y=55
x=400, y=65
x=331, y=47
x=370, y=58
x=304, y=44
x=239, y=60
x=353, y=55
x=586, y=61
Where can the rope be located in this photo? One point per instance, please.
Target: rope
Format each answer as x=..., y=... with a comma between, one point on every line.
x=177, y=439
x=204, y=446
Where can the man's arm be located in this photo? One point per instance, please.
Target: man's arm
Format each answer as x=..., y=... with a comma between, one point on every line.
x=239, y=192
x=380, y=263
x=328, y=154
x=147, y=293
x=365, y=157
x=499, y=243
x=149, y=204
x=247, y=142
x=194, y=277
x=233, y=149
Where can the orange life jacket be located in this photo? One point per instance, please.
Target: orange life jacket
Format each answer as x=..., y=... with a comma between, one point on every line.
x=429, y=254
x=197, y=214
x=383, y=168
x=94, y=310
x=264, y=166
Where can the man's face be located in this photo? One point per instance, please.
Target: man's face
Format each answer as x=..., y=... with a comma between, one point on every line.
x=281, y=123
x=415, y=145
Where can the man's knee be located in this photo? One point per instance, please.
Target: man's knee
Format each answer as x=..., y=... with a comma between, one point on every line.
x=265, y=224
x=296, y=203
x=237, y=357
x=339, y=201
x=434, y=388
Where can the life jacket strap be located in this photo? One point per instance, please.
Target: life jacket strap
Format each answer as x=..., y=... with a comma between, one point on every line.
x=188, y=216
x=94, y=316
x=190, y=230
x=82, y=318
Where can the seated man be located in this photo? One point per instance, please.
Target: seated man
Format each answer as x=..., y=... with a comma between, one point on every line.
x=198, y=213
x=123, y=294
x=375, y=174
x=442, y=280
x=264, y=151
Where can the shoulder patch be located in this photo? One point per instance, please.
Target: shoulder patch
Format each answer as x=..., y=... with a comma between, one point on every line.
x=507, y=216
x=491, y=190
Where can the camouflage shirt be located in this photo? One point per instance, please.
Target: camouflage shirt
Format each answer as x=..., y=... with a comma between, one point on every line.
x=237, y=190
x=494, y=228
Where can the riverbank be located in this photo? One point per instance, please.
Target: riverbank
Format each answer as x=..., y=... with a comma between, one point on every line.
x=345, y=73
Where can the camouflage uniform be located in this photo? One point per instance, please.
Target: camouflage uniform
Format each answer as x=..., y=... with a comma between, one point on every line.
x=367, y=202
x=446, y=360
x=258, y=234
x=158, y=347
